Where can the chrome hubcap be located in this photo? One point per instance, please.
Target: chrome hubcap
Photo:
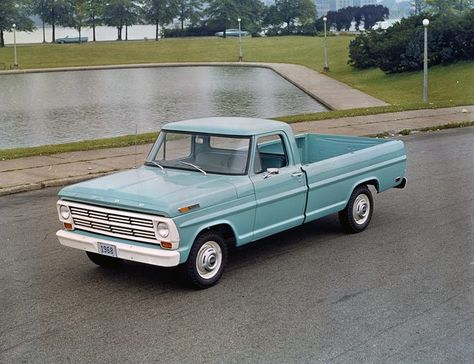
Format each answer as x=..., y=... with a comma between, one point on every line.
x=209, y=259
x=361, y=209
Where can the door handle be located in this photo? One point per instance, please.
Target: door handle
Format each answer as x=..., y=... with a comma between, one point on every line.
x=297, y=174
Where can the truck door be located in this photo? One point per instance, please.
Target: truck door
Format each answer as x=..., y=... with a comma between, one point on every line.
x=280, y=186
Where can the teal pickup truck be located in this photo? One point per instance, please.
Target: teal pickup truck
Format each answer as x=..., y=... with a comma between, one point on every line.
x=211, y=184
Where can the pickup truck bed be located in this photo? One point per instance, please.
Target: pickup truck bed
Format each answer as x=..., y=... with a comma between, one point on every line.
x=335, y=165
x=318, y=147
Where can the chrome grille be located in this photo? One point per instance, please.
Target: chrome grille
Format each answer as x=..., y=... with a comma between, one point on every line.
x=108, y=222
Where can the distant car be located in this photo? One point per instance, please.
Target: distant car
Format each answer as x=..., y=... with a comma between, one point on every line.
x=233, y=33
x=69, y=39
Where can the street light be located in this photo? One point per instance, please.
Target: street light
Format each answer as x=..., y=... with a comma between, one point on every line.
x=241, y=57
x=426, y=22
x=15, y=60
x=326, y=65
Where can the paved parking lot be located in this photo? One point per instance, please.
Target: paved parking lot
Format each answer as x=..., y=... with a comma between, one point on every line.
x=402, y=291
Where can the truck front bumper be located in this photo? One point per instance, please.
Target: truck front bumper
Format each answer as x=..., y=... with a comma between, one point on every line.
x=159, y=257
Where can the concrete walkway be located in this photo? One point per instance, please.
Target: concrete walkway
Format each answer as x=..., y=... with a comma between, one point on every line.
x=26, y=174
x=333, y=94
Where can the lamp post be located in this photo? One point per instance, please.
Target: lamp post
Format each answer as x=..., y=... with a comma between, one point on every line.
x=15, y=60
x=426, y=22
x=326, y=65
x=241, y=57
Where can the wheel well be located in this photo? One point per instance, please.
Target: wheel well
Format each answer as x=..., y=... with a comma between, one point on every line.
x=372, y=182
x=226, y=231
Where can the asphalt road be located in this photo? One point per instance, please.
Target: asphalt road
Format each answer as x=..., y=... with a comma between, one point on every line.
x=402, y=291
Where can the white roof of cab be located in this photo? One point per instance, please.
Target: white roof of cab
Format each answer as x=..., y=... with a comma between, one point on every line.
x=228, y=126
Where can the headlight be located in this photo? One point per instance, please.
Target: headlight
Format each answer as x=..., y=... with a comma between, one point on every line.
x=64, y=212
x=163, y=229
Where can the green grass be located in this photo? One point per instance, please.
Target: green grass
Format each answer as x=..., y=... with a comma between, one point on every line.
x=115, y=142
x=448, y=85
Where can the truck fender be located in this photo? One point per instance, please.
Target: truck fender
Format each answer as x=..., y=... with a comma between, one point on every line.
x=366, y=181
x=224, y=227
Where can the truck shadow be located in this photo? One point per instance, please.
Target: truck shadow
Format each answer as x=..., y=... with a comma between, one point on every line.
x=143, y=276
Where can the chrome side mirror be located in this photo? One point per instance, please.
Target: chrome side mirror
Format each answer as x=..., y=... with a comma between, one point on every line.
x=271, y=172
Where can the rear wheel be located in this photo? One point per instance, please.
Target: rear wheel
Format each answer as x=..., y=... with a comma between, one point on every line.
x=206, y=260
x=104, y=261
x=358, y=212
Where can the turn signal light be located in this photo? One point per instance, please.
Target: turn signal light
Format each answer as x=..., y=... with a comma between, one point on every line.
x=68, y=226
x=185, y=209
x=166, y=245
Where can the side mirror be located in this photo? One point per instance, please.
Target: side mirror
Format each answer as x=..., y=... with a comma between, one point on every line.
x=271, y=172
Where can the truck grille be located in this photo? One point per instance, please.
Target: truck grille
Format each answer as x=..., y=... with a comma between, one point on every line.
x=113, y=223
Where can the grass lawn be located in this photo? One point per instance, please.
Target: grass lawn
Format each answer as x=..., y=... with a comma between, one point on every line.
x=448, y=85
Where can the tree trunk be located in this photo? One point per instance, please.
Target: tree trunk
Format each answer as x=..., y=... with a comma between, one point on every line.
x=126, y=32
x=93, y=28
x=44, y=31
x=157, y=30
x=119, y=32
x=80, y=40
x=2, y=41
x=53, y=26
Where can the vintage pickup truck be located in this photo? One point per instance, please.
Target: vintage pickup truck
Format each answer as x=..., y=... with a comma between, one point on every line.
x=211, y=184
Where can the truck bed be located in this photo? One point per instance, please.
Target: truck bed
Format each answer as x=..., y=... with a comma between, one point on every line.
x=317, y=147
x=335, y=165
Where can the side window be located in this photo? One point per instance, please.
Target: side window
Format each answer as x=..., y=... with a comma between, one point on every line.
x=270, y=153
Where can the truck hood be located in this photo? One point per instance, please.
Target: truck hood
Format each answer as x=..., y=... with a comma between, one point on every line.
x=151, y=190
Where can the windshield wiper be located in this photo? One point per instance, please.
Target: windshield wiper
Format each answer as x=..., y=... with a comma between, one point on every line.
x=154, y=163
x=194, y=166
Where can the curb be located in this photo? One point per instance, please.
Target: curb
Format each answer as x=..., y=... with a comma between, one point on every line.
x=75, y=179
x=52, y=183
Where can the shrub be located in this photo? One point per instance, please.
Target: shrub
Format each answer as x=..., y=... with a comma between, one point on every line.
x=400, y=47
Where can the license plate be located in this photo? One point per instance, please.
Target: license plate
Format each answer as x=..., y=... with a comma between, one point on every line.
x=107, y=249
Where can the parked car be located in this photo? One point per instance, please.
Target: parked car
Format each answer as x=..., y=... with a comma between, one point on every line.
x=69, y=39
x=211, y=184
x=233, y=33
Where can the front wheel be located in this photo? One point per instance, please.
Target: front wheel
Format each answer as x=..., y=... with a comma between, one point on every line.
x=206, y=260
x=358, y=212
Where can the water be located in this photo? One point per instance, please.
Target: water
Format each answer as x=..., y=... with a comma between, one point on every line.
x=53, y=108
x=102, y=33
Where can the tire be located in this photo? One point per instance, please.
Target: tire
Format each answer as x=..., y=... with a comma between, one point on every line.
x=206, y=260
x=358, y=212
x=105, y=261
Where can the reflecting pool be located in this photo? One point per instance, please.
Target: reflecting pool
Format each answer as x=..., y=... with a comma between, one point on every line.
x=59, y=107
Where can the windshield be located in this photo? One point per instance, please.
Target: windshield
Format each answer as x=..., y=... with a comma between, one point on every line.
x=201, y=152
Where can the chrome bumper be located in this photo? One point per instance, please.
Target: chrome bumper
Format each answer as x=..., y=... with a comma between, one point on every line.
x=162, y=258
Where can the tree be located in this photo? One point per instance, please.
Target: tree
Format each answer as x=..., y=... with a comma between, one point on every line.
x=160, y=12
x=79, y=15
x=291, y=11
x=119, y=14
x=55, y=12
x=95, y=9
x=418, y=6
x=442, y=6
x=369, y=14
x=188, y=10
x=372, y=14
x=12, y=12
x=41, y=8
x=223, y=14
